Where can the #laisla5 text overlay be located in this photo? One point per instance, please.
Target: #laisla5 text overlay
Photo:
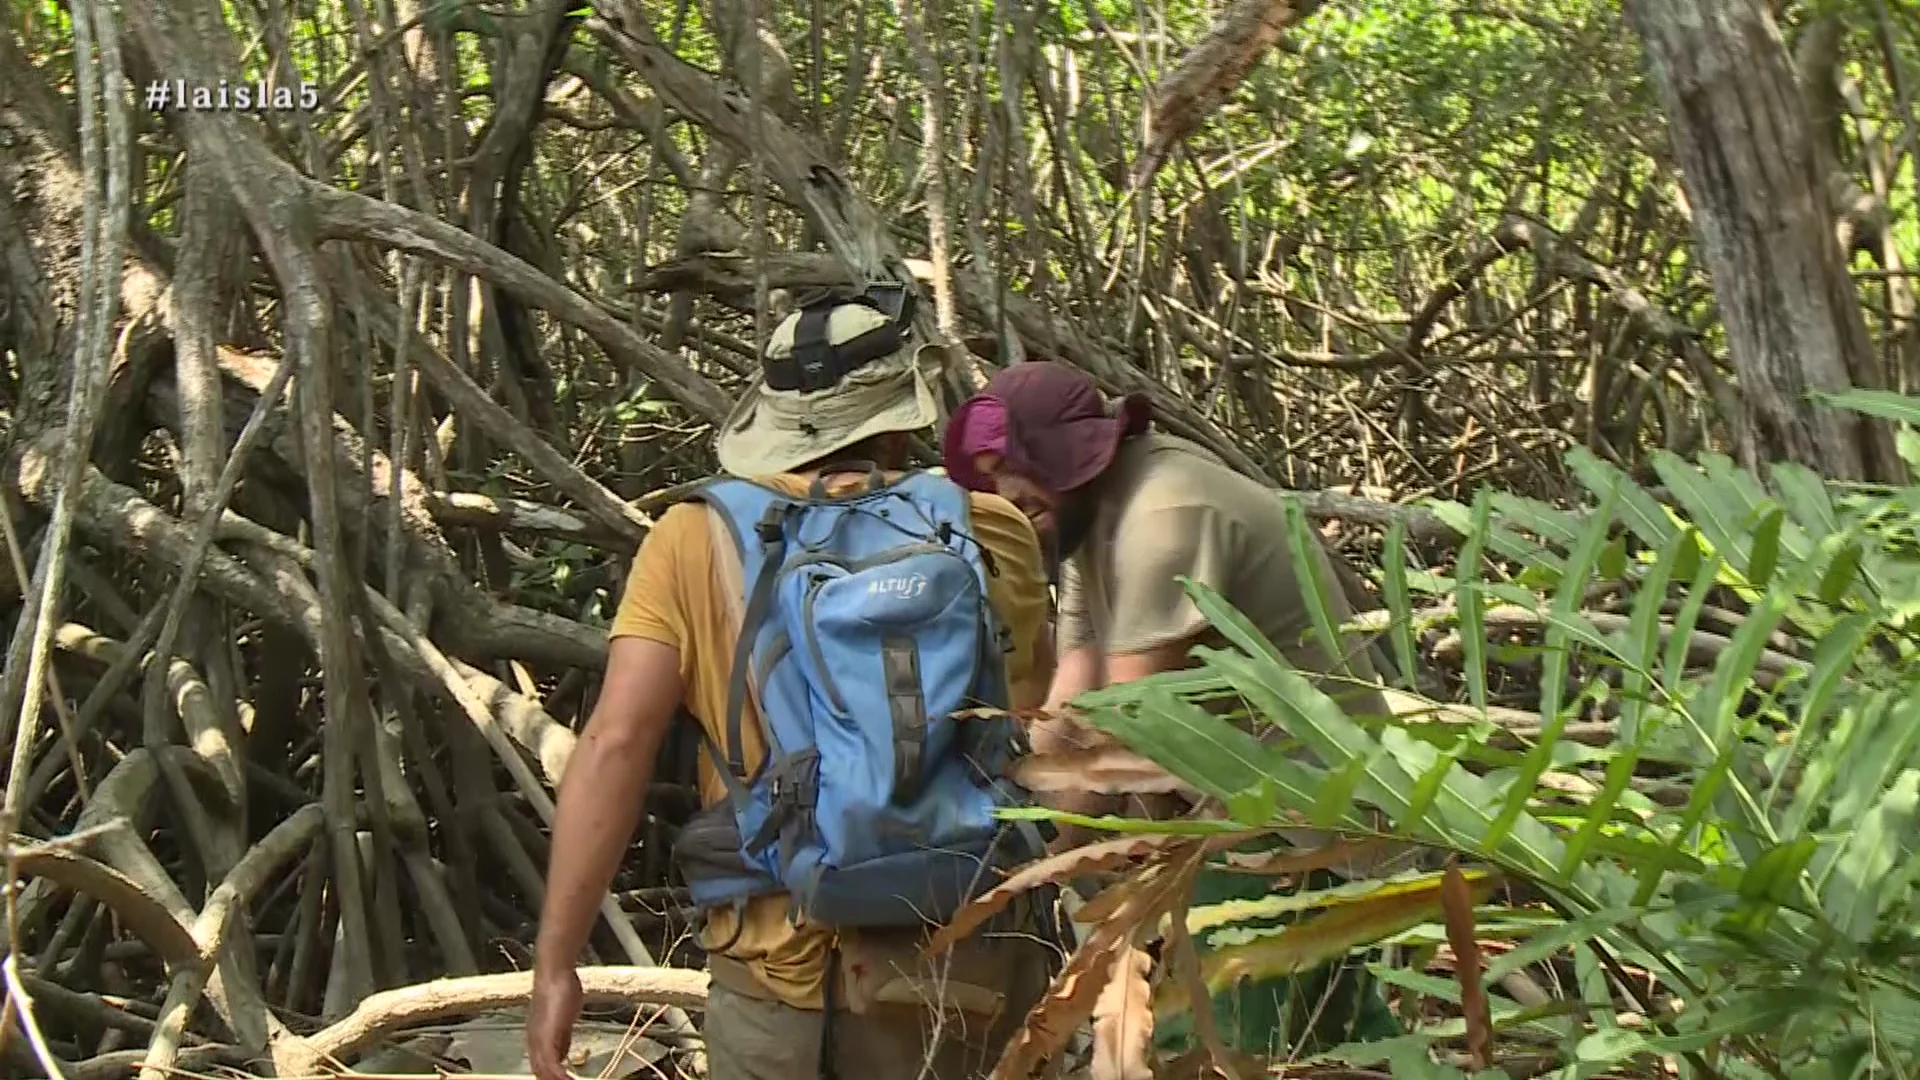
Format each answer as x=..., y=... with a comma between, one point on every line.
x=181, y=95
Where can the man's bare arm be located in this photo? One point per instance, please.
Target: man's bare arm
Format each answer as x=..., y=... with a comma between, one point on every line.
x=1079, y=670
x=1118, y=669
x=1132, y=666
x=603, y=791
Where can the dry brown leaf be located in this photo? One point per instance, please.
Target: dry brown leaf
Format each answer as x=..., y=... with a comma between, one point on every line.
x=1456, y=900
x=1107, y=770
x=1091, y=858
x=1104, y=904
x=1070, y=1001
x=1123, y=1020
x=1023, y=717
x=1183, y=967
x=1051, y=1022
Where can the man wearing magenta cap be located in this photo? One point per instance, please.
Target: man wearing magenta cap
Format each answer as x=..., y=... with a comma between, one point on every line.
x=1126, y=512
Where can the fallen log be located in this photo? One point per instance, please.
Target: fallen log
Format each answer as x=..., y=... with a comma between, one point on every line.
x=391, y=1011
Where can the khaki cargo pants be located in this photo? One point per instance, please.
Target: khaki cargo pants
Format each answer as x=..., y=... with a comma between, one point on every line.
x=886, y=1027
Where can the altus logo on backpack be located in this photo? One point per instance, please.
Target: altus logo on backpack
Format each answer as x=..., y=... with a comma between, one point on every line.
x=901, y=588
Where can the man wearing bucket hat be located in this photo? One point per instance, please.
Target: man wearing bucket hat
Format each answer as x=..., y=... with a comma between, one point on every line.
x=1126, y=512
x=823, y=430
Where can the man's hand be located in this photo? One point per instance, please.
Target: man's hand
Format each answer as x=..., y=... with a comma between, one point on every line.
x=550, y=1017
x=600, y=802
x=1079, y=670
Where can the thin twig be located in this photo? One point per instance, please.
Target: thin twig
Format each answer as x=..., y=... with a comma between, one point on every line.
x=100, y=296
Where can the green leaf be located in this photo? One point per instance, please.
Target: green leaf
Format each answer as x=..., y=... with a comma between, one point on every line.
x=1183, y=682
x=1865, y=776
x=1674, y=668
x=1335, y=799
x=1721, y=517
x=1463, y=807
x=1613, y=560
x=1473, y=630
x=1642, y=648
x=1773, y=875
x=1305, y=549
x=1304, y=945
x=1549, y=942
x=1764, y=555
x=1534, y=576
x=1400, y=606
x=1464, y=804
x=1259, y=803
x=1204, y=750
x=1427, y=791
x=1741, y=490
x=1600, y=811
x=1855, y=720
x=1718, y=705
x=1546, y=522
x=1885, y=404
x=1838, y=580
x=1566, y=607
x=1862, y=878
x=1235, y=627
x=1832, y=660
x=1641, y=512
x=1907, y=443
x=1767, y=884
x=1804, y=493
x=1375, y=1051
x=1733, y=669
x=1738, y=1014
x=1653, y=872
x=1551, y=1019
x=1688, y=564
x=1209, y=917
x=1494, y=536
x=1608, y=1045
x=1405, y=1062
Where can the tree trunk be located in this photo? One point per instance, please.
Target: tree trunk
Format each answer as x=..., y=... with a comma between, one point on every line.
x=1756, y=177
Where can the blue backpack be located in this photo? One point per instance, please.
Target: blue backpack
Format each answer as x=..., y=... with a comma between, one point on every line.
x=866, y=629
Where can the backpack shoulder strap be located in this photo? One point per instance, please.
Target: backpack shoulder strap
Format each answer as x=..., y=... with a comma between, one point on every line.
x=756, y=517
x=953, y=505
x=740, y=504
x=951, y=501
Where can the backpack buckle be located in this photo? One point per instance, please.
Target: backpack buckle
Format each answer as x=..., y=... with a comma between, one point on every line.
x=771, y=529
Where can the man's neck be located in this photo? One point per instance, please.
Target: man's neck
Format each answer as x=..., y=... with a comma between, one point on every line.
x=1081, y=510
x=846, y=478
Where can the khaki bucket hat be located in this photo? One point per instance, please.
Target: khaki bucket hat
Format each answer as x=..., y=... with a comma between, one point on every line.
x=774, y=431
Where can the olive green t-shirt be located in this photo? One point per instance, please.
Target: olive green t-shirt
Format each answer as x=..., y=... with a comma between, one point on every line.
x=1168, y=509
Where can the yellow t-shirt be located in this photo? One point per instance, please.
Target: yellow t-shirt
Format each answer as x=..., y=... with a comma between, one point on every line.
x=678, y=593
